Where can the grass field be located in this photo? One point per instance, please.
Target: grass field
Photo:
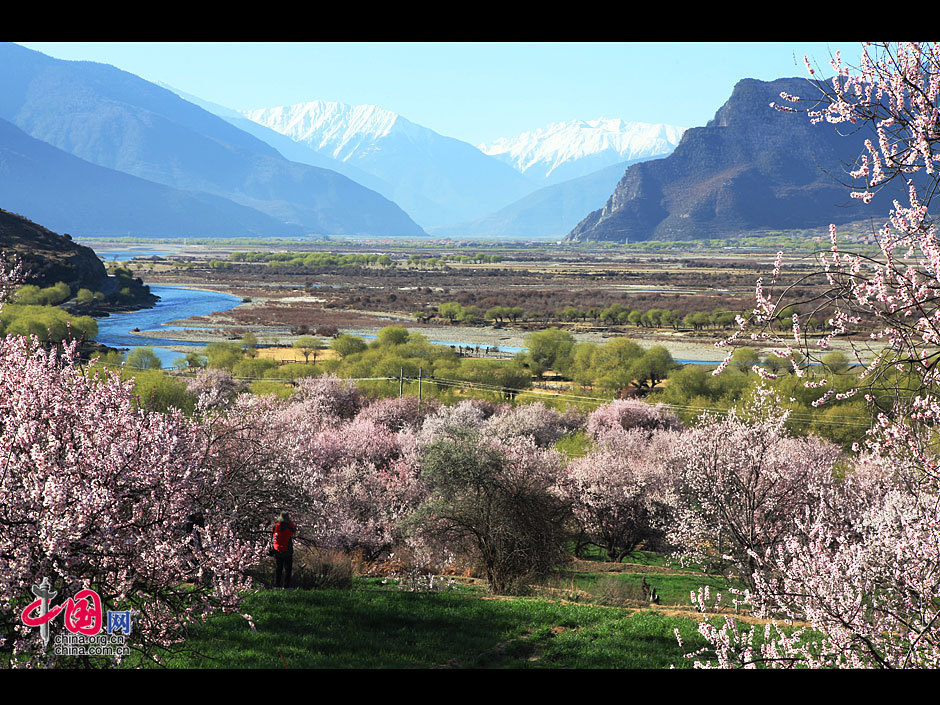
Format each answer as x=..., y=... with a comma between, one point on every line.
x=284, y=354
x=374, y=628
x=574, y=623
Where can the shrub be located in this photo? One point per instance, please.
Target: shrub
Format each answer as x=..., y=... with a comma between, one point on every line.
x=624, y=414
x=143, y=358
x=346, y=344
x=495, y=505
x=322, y=569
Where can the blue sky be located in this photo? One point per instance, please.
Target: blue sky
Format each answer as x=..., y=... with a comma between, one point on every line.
x=473, y=91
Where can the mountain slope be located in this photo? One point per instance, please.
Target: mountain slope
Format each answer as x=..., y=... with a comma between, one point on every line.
x=551, y=211
x=288, y=148
x=437, y=179
x=117, y=120
x=71, y=195
x=751, y=168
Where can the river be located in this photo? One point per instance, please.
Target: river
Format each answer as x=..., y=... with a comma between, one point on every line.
x=175, y=304
x=178, y=304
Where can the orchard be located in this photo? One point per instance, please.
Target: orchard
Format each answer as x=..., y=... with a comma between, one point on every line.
x=836, y=550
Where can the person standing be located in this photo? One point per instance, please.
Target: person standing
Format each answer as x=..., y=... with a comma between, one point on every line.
x=283, y=541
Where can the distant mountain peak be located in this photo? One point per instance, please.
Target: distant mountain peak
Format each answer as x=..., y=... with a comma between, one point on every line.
x=335, y=128
x=547, y=152
x=435, y=178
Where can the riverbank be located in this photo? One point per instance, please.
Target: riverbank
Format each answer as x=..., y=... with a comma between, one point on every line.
x=222, y=327
x=227, y=326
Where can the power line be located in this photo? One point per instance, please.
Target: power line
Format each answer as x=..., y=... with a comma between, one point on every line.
x=845, y=421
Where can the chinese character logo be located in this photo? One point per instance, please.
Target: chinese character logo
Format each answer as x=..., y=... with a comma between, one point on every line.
x=82, y=614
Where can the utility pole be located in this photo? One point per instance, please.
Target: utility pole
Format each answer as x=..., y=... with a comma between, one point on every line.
x=401, y=381
x=419, y=389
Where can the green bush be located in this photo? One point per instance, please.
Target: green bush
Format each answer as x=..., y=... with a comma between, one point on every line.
x=143, y=358
x=293, y=370
x=346, y=344
x=46, y=323
x=157, y=390
x=254, y=368
x=32, y=295
x=261, y=387
x=223, y=356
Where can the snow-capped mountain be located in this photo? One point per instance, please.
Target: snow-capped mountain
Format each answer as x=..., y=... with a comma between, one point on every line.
x=435, y=179
x=567, y=150
x=342, y=131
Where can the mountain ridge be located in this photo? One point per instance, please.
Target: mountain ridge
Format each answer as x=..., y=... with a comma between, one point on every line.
x=435, y=178
x=68, y=194
x=117, y=120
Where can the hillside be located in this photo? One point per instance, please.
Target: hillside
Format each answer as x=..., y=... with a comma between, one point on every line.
x=48, y=257
x=68, y=194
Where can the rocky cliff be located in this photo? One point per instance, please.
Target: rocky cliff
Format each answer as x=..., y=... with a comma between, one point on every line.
x=751, y=168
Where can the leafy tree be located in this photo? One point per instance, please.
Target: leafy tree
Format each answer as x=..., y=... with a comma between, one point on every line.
x=293, y=370
x=159, y=391
x=450, y=310
x=191, y=361
x=392, y=335
x=613, y=363
x=506, y=377
x=652, y=368
x=48, y=323
x=143, y=358
x=254, y=367
x=309, y=345
x=836, y=362
x=549, y=349
x=468, y=314
x=745, y=358
x=223, y=355
x=497, y=313
x=345, y=344
x=249, y=344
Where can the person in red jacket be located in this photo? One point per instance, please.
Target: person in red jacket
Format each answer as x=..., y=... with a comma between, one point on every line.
x=283, y=540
